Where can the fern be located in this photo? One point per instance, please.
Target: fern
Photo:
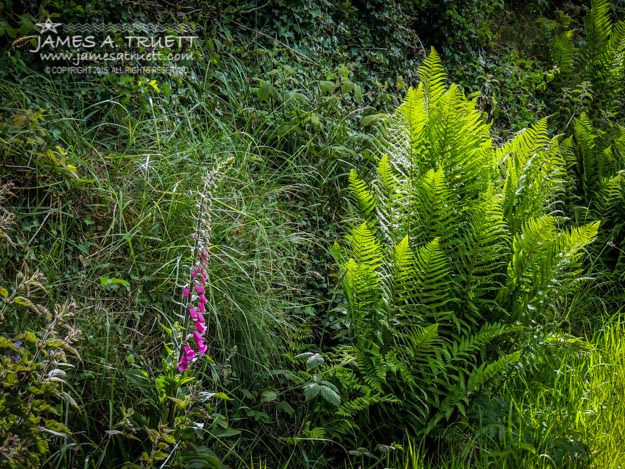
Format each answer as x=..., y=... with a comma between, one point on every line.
x=535, y=172
x=458, y=246
x=364, y=199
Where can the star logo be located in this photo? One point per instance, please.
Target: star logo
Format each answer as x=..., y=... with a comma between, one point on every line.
x=48, y=26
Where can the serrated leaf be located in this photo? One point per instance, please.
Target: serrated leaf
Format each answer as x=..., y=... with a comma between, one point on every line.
x=311, y=390
x=330, y=395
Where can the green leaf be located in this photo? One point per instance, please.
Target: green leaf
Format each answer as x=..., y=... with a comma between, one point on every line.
x=311, y=390
x=283, y=406
x=268, y=396
x=327, y=87
x=314, y=361
x=20, y=300
x=347, y=87
x=266, y=91
x=330, y=395
x=225, y=432
x=357, y=94
x=369, y=120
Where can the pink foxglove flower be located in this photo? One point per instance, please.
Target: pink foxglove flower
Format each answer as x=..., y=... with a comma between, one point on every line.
x=199, y=343
x=186, y=292
x=201, y=327
x=188, y=354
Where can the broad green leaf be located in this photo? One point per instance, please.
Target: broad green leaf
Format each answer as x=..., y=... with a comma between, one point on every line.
x=311, y=390
x=326, y=86
x=330, y=395
x=268, y=396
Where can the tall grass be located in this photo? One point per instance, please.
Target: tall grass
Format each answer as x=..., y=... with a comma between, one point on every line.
x=116, y=237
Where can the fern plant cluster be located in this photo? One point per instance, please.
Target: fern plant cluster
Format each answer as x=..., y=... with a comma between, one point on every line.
x=456, y=252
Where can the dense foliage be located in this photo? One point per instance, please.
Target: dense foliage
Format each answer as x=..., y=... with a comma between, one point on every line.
x=315, y=249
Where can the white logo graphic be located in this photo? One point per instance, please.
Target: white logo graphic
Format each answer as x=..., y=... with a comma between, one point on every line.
x=49, y=26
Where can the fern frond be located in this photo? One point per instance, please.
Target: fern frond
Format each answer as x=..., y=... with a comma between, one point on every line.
x=588, y=161
x=563, y=52
x=535, y=175
x=484, y=254
x=437, y=212
x=528, y=249
x=394, y=202
x=433, y=76
x=432, y=277
x=459, y=143
x=543, y=260
x=361, y=278
x=363, y=197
